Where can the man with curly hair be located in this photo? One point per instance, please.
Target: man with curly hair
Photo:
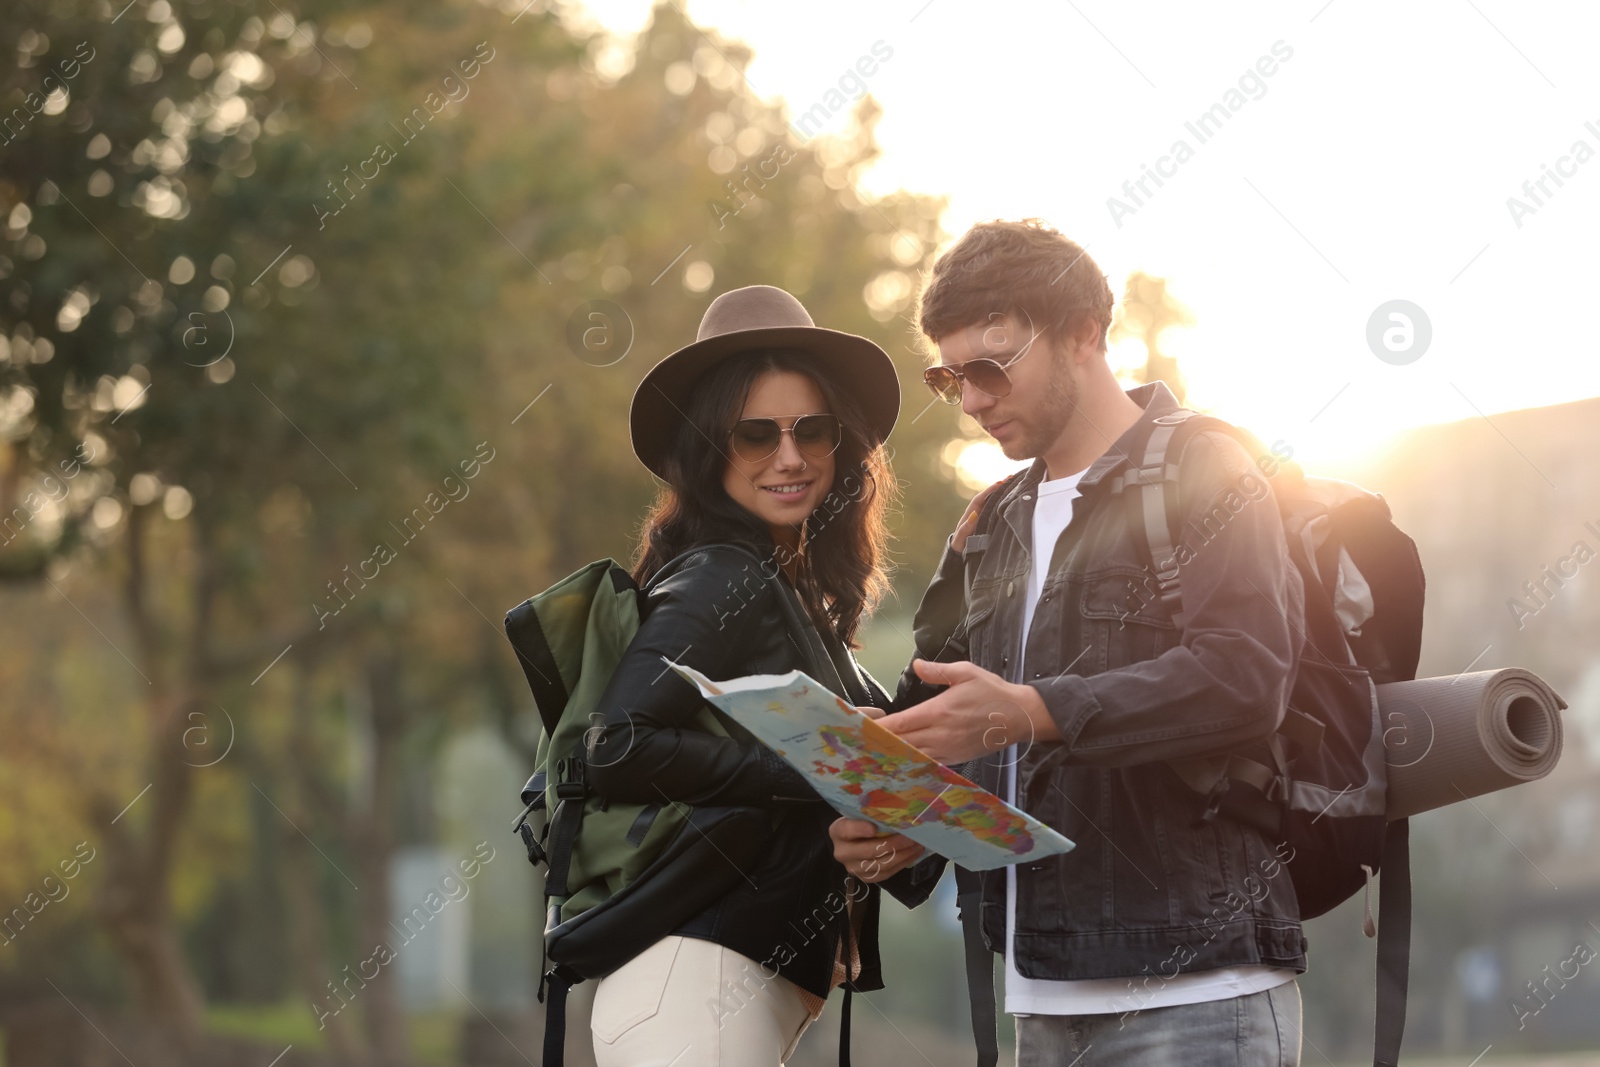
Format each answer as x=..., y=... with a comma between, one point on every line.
x=1169, y=934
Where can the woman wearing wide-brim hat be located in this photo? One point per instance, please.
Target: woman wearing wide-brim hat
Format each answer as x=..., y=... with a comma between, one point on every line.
x=768, y=433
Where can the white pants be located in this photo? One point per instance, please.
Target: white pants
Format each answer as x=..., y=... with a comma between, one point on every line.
x=692, y=1003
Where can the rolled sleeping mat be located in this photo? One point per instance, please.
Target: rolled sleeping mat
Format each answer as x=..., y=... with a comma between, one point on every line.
x=1448, y=739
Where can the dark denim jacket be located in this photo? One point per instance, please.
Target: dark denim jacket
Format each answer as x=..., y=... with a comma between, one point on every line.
x=1151, y=889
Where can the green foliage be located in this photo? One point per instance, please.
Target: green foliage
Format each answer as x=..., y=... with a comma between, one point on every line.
x=269, y=282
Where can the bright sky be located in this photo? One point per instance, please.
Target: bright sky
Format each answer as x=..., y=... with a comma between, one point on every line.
x=1373, y=164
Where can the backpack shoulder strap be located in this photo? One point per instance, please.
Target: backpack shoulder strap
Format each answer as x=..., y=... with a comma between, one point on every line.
x=988, y=513
x=969, y=887
x=672, y=566
x=560, y=981
x=979, y=539
x=1150, y=485
x=834, y=673
x=571, y=789
x=979, y=960
x=1394, y=944
x=980, y=967
x=803, y=633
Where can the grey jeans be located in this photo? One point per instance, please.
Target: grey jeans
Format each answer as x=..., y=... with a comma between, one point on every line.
x=1255, y=1030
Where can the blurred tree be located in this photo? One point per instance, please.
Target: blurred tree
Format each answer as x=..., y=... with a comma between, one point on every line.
x=209, y=144
x=254, y=350
x=1146, y=310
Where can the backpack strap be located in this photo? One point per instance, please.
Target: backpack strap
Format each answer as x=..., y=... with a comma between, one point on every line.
x=849, y=951
x=560, y=981
x=571, y=791
x=844, y=1029
x=803, y=634
x=977, y=541
x=672, y=565
x=802, y=631
x=532, y=799
x=1394, y=944
x=979, y=960
x=1150, y=487
x=980, y=967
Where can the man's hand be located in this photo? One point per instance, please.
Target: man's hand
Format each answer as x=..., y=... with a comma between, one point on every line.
x=980, y=713
x=870, y=854
x=969, y=520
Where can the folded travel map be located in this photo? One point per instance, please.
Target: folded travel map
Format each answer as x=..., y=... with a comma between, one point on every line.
x=867, y=772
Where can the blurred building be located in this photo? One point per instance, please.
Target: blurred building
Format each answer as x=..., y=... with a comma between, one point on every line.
x=431, y=926
x=1505, y=511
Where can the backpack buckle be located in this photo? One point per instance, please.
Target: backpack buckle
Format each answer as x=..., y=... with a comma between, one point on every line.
x=1214, y=800
x=1134, y=476
x=570, y=781
x=536, y=853
x=522, y=819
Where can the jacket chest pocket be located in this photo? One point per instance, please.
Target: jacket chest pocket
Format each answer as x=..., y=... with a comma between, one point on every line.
x=975, y=631
x=1124, y=618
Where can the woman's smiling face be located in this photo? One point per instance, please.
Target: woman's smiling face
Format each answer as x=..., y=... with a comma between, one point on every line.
x=785, y=487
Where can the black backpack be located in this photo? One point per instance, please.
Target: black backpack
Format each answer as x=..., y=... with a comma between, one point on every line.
x=1320, y=783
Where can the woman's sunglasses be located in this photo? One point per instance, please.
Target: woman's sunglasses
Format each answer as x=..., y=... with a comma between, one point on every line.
x=754, y=440
x=986, y=375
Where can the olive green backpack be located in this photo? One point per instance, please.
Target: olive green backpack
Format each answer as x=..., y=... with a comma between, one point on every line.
x=618, y=876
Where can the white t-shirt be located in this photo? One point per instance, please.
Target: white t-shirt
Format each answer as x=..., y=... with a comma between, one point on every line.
x=1099, y=996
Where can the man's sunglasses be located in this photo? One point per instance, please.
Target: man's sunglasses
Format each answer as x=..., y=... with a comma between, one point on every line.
x=754, y=440
x=986, y=375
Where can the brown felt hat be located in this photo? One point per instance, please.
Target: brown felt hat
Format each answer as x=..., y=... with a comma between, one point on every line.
x=759, y=316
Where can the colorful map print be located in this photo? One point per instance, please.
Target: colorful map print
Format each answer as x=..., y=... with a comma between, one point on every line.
x=901, y=787
x=865, y=771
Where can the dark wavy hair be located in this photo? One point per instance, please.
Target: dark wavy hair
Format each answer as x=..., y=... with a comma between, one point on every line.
x=842, y=570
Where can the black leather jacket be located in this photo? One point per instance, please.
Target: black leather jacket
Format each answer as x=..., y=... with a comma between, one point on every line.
x=1150, y=890
x=717, y=614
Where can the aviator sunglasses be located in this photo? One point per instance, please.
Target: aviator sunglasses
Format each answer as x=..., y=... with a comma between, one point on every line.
x=754, y=440
x=986, y=375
